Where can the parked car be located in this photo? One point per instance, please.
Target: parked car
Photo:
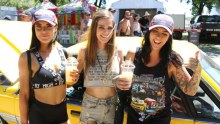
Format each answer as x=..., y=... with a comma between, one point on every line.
x=203, y=108
x=209, y=25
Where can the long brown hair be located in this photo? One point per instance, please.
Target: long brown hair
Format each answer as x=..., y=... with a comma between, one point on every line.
x=92, y=45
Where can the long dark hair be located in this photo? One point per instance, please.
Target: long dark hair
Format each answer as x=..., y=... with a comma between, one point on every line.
x=35, y=43
x=167, y=55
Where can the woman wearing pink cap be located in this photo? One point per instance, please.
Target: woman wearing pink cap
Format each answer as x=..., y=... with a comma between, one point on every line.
x=42, y=97
x=155, y=64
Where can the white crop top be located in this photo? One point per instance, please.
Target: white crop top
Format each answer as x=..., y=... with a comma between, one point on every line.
x=101, y=74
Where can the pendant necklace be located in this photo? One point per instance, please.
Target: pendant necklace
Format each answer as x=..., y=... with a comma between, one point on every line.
x=104, y=71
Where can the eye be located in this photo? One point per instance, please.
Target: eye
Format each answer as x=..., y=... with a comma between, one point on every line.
x=100, y=27
x=165, y=34
x=110, y=28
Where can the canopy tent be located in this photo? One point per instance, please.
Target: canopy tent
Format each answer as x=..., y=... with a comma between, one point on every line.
x=152, y=6
x=138, y=4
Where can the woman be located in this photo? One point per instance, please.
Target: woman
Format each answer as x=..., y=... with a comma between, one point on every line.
x=156, y=63
x=136, y=27
x=48, y=104
x=100, y=61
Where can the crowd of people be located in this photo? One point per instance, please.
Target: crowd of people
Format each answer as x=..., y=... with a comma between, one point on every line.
x=108, y=92
x=133, y=24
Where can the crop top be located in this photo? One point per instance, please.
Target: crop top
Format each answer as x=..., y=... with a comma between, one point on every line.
x=151, y=90
x=46, y=77
x=101, y=74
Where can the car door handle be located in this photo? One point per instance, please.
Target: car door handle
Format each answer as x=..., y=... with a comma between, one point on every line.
x=73, y=112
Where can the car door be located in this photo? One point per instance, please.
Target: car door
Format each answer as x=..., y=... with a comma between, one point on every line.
x=9, y=101
x=203, y=108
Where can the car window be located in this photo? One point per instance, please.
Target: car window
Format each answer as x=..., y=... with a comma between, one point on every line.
x=4, y=80
x=210, y=67
x=205, y=107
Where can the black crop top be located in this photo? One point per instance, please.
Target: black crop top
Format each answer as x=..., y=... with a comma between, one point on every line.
x=46, y=77
x=151, y=90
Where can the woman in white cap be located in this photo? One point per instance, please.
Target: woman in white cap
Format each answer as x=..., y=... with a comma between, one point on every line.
x=42, y=96
x=155, y=64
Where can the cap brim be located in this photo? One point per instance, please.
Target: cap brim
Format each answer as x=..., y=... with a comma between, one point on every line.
x=52, y=23
x=162, y=26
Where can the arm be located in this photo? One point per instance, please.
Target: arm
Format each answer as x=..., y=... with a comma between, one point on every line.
x=24, y=88
x=188, y=84
x=81, y=59
x=82, y=25
x=119, y=28
x=132, y=30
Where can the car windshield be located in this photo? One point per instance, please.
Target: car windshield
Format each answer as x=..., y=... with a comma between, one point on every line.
x=210, y=67
x=209, y=19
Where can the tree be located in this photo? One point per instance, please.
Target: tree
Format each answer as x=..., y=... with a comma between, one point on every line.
x=198, y=5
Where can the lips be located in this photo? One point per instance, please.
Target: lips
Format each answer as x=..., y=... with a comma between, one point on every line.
x=157, y=42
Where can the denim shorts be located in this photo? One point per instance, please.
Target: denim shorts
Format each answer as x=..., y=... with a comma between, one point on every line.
x=98, y=110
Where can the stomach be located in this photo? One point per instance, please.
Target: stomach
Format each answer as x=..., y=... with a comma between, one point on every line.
x=101, y=92
x=53, y=95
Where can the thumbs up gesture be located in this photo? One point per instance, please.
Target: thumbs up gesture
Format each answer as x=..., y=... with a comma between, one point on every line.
x=194, y=62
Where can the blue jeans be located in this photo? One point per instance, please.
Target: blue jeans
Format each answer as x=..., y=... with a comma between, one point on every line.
x=98, y=110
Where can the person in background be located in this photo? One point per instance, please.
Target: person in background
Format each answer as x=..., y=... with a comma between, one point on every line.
x=100, y=62
x=85, y=22
x=42, y=96
x=155, y=65
x=144, y=21
x=124, y=27
x=26, y=16
x=112, y=10
x=136, y=28
x=132, y=18
x=84, y=26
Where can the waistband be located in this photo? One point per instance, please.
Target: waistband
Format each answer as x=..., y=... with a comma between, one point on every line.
x=45, y=105
x=109, y=100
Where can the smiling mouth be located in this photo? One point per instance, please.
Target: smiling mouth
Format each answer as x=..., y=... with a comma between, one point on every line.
x=157, y=42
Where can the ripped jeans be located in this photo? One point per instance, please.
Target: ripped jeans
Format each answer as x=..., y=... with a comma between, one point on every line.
x=102, y=111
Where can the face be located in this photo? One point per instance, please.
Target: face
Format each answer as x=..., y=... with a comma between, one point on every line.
x=104, y=30
x=26, y=18
x=127, y=15
x=137, y=18
x=158, y=37
x=44, y=31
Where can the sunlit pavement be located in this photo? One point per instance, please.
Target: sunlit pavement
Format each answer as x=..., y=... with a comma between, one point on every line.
x=211, y=49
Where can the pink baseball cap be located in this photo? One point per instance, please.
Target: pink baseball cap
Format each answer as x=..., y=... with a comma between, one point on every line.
x=45, y=15
x=164, y=21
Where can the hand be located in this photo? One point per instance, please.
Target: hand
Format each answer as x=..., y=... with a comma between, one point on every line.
x=123, y=83
x=193, y=62
x=75, y=75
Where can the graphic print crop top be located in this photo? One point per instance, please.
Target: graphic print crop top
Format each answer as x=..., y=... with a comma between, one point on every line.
x=101, y=74
x=46, y=77
x=151, y=90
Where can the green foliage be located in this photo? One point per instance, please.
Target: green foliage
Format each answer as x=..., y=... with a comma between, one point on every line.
x=198, y=5
x=25, y=4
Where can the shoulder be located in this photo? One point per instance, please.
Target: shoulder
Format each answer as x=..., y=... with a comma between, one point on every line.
x=23, y=59
x=82, y=51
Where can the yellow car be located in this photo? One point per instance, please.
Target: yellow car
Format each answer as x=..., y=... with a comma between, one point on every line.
x=203, y=108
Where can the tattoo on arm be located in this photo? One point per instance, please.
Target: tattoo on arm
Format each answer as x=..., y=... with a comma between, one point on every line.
x=187, y=84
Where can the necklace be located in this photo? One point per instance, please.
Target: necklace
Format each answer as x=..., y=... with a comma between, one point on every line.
x=104, y=71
